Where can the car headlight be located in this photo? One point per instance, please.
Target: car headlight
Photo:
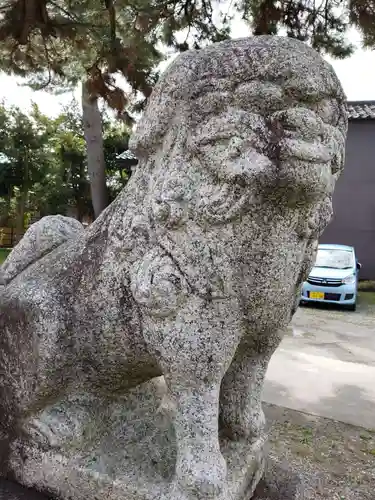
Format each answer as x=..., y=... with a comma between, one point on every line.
x=349, y=279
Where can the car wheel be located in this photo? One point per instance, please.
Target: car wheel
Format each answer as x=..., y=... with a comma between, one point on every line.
x=351, y=307
x=302, y=303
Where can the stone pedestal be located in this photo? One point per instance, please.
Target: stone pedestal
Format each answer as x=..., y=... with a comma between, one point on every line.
x=125, y=450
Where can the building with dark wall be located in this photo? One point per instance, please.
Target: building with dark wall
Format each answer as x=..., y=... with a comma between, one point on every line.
x=354, y=199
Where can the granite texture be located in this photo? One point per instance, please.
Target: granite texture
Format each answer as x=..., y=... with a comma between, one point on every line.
x=192, y=273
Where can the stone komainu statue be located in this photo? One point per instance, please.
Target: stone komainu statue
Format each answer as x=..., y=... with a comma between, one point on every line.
x=192, y=273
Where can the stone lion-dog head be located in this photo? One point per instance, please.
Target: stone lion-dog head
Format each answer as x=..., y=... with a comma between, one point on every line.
x=226, y=142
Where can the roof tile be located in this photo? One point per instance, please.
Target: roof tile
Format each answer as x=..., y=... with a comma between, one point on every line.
x=126, y=155
x=361, y=110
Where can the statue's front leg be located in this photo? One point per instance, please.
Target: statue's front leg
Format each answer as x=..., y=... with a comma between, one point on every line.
x=200, y=468
x=241, y=414
x=194, y=349
x=194, y=341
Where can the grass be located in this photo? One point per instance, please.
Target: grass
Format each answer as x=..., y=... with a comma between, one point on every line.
x=4, y=254
x=366, y=286
x=366, y=297
x=336, y=459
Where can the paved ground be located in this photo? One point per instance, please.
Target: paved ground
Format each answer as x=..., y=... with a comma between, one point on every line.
x=326, y=365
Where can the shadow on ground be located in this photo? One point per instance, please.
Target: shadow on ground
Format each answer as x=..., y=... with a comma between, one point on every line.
x=13, y=491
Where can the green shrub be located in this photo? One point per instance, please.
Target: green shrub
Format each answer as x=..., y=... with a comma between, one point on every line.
x=4, y=252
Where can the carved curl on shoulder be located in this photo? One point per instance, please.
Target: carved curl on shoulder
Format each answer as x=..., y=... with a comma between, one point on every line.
x=157, y=284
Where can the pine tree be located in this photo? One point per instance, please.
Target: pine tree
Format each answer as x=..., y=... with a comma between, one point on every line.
x=91, y=41
x=97, y=39
x=323, y=24
x=362, y=16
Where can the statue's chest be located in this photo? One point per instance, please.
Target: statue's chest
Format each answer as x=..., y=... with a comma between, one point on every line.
x=238, y=260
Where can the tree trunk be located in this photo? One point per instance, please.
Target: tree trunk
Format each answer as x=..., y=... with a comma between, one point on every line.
x=80, y=194
x=267, y=16
x=92, y=124
x=6, y=216
x=22, y=203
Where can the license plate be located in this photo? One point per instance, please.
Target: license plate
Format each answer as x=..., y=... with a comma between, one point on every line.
x=317, y=295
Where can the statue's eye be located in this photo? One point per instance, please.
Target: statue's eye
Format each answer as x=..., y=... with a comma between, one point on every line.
x=213, y=140
x=327, y=110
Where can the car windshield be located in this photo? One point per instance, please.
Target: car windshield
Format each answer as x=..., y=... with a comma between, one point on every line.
x=334, y=258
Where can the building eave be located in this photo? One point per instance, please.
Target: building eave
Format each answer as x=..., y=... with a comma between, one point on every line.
x=361, y=110
x=126, y=155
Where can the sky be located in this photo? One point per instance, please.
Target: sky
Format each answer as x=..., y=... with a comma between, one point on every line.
x=357, y=75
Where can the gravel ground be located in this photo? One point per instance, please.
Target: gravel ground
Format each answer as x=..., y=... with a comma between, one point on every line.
x=335, y=460
x=332, y=332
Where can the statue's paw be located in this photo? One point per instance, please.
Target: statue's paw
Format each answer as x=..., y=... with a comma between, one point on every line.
x=202, y=478
x=245, y=426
